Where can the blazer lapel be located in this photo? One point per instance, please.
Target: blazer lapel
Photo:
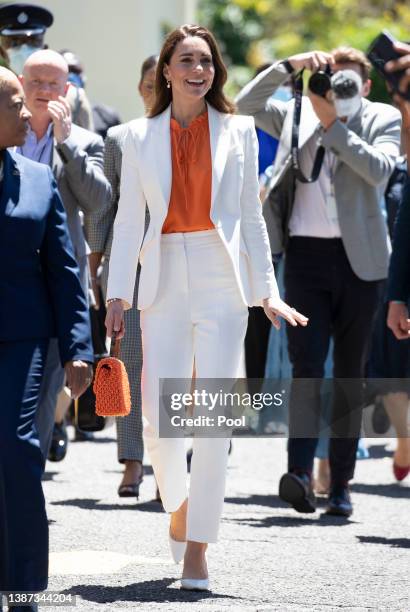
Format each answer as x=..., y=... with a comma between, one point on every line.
x=10, y=192
x=159, y=154
x=219, y=137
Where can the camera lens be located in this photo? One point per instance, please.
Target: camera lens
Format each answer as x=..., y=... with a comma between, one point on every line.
x=319, y=83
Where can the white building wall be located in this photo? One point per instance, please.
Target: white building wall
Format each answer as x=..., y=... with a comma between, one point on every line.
x=113, y=37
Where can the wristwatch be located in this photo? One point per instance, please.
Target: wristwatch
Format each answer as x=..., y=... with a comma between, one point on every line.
x=289, y=68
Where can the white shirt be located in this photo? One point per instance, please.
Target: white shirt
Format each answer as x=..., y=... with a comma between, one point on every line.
x=314, y=212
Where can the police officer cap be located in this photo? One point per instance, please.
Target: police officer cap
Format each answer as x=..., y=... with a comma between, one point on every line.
x=19, y=19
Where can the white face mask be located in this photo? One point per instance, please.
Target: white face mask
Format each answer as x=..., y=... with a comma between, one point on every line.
x=19, y=55
x=347, y=92
x=349, y=107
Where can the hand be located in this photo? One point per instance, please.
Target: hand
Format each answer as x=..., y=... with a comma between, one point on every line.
x=402, y=63
x=60, y=113
x=79, y=375
x=114, y=321
x=312, y=60
x=275, y=308
x=398, y=320
x=324, y=109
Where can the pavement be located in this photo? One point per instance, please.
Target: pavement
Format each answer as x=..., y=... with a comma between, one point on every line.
x=112, y=553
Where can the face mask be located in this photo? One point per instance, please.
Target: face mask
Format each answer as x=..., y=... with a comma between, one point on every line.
x=18, y=57
x=347, y=91
x=347, y=108
x=284, y=94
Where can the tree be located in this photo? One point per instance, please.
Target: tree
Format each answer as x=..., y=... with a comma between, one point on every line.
x=252, y=32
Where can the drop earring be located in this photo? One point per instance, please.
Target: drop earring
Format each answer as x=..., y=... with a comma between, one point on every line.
x=168, y=84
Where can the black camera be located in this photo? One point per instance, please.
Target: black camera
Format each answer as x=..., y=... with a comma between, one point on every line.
x=382, y=51
x=320, y=82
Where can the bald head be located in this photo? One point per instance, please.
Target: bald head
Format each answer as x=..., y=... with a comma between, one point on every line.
x=44, y=80
x=46, y=58
x=14, y=115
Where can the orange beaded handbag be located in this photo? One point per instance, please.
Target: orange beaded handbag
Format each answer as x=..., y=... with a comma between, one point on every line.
x=111, y=385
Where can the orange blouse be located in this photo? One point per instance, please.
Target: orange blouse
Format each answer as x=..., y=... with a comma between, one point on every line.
x=190, y=201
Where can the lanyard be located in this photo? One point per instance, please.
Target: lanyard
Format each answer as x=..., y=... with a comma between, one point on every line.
x=320, y=153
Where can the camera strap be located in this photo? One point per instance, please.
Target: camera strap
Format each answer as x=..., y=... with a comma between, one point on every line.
x=320, y=153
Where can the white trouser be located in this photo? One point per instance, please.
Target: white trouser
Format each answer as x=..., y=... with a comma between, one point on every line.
x=198, y=314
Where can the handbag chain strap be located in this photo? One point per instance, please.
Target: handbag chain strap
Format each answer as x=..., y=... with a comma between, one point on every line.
x=115, y=345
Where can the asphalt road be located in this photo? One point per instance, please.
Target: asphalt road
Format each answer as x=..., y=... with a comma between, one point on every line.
x=113, y=553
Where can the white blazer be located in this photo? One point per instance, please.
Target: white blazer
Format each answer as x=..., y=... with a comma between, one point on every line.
x=236, y=211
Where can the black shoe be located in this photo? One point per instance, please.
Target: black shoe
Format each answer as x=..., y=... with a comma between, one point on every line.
x=297, y=490
x=82, y=436
x=339, y=503
x=380, y=418
x=130, y=490
x=59, y=442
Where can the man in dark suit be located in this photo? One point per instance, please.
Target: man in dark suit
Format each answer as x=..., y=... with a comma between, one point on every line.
x=40, y=297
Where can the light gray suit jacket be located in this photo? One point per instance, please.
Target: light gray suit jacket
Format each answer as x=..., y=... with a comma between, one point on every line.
x=365, y=148
x=100, y=224
x=77, y=166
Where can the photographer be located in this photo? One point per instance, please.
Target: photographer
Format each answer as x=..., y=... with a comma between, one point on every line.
x=335, y=238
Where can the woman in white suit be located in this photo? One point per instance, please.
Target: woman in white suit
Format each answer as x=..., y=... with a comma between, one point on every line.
x=204, y=259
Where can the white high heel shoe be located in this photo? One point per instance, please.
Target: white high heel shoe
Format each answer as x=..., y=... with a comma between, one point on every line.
x=195, y=584
x=177, y=549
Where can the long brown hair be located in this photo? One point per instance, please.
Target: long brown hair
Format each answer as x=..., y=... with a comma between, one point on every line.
x=215, y=96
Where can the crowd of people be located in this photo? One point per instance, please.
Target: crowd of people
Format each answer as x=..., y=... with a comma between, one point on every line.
x=158, y=224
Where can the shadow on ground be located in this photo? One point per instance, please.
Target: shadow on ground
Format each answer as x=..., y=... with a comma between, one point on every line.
x=48, y=476
x=322, y=520
x=267, y=501
x=392, y=490
x=95, y=440
x=392, y=542
x=93, y=504
x=379, y=451
x=149, y=591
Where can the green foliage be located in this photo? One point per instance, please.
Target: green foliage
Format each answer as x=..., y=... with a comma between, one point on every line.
x=252, y=32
